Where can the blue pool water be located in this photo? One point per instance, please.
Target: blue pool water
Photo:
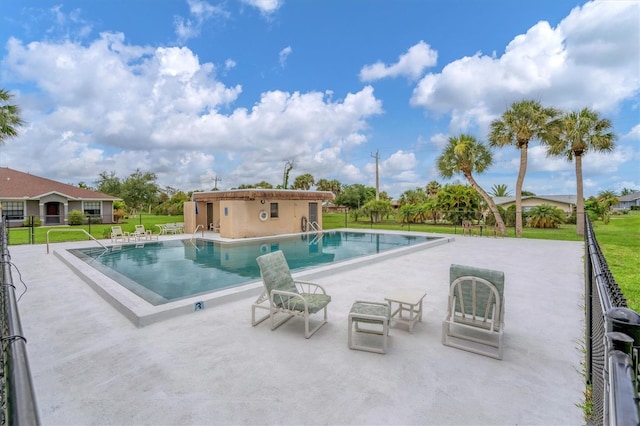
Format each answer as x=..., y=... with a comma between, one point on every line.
x=165, y=271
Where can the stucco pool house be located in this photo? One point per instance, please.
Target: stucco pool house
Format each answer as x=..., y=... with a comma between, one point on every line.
x=246, y=213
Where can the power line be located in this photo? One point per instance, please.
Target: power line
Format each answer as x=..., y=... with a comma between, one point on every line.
x=215, y=182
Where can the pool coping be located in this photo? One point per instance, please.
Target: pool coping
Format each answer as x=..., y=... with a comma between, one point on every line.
x=142, y=313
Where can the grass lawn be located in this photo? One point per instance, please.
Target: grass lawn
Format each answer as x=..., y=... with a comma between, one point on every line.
x=98, y=231
x=620, y=244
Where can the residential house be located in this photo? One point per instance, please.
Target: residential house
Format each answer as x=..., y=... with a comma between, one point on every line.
x=628, y=202
x=23, y=195
x=566, y=203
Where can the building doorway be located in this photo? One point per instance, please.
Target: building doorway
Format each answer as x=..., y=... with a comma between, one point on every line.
x=52, y=213
x=313, y=213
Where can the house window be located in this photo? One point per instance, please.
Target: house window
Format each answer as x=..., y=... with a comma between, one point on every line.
x=92, y=208
x=274, y=210
x=13, y=210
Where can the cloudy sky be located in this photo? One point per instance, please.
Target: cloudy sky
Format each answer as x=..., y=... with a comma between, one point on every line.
x=197, y=90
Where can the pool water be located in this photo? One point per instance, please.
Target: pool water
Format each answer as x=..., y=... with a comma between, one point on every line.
x=165, y=271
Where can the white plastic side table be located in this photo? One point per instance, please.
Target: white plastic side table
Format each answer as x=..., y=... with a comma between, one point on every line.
x=409, y=310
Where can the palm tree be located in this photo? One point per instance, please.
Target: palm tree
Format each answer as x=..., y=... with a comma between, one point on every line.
x=522, y=122
x=458, y=202
x=607, y=199
x=626, y=191
x=464, y=154
x=433, y=187
x=413, y=196
x=9, y=117
x=545, y=216
x=500, y=190
x=579, y=132
x=304, y=181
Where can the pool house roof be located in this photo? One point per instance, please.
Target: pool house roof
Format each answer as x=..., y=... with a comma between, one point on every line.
x=269, y=194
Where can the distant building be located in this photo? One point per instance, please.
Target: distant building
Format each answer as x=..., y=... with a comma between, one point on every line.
x=23, y=195
x=627, y=202
x=244, y=213
x=566, y=203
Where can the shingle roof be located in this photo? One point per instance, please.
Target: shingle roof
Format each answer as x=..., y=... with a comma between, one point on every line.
x=15, y=184
x=630, y=197
x=252, y=194
x=569, y=199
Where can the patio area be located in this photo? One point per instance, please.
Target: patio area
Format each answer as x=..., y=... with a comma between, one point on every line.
x=92, y=366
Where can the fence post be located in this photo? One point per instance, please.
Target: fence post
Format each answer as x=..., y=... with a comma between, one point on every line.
x=32, y=231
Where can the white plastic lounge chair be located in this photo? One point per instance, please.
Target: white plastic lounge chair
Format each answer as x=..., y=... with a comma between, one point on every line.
x=169, y=228
x=141, y=233
x=117, y=234
x=475, y=311
x=467, y=228
x=286, y=296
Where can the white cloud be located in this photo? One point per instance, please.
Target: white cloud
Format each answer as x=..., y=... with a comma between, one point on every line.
x=590, y=59
x=200, y=12
x=229, y=64
x=440, y=140
x=410, y=65
x=538, y=161
x=399, y=161
x=634, y=133
x=284, y=54
x=161, y=106
x=266, y=7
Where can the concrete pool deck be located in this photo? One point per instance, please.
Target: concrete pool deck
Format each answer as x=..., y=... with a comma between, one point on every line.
x=91, y=366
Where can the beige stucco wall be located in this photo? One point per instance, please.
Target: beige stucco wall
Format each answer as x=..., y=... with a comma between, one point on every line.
x=241, y=218
x=534, y=202
x=190, y=217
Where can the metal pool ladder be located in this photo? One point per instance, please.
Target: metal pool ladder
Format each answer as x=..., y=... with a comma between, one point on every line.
x=73, y=230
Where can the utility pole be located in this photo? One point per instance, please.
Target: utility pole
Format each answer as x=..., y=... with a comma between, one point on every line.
x=377, y=157
x=215, y=182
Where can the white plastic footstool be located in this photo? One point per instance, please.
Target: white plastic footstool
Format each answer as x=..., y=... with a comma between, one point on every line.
x=371, y=313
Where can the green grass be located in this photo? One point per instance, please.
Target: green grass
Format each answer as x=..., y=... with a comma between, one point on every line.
x=98, y=231
x=620, y=244
x=337, y=220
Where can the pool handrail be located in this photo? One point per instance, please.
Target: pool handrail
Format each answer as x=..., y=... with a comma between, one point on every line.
x=315, y=226
x=196, y=231
x=74, y=230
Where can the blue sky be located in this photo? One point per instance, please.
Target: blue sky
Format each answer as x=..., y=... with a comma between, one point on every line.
x=194, y=90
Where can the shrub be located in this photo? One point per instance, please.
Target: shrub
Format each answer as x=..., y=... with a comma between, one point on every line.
x=36, y=221
x=76, y=217
x=545, y=216
x=510, y=216
x=118, y=214
x=491, y=219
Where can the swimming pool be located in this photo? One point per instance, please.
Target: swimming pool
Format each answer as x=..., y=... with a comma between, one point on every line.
x=182, y=270
x=162, y=272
